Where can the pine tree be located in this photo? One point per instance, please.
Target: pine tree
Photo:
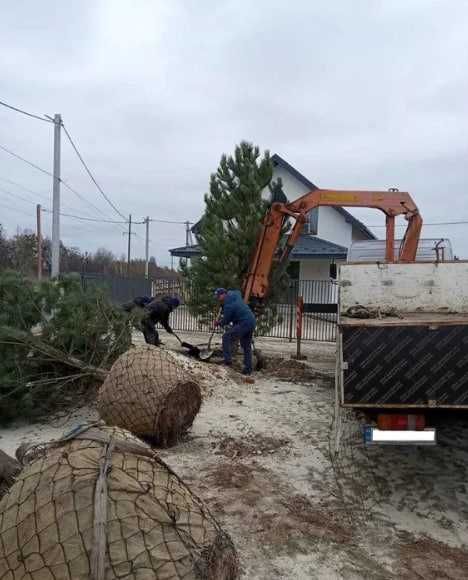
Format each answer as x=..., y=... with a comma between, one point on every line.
x=228, y=230
x=53, y=335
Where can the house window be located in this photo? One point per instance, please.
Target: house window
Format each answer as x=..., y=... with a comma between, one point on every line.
x=311, y=226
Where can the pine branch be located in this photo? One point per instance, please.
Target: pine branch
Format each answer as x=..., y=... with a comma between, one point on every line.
x=14, y=336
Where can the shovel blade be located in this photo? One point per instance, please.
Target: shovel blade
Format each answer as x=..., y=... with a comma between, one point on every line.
x=193, y=350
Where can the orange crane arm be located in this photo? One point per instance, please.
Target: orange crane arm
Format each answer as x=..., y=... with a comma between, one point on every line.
x=391, y=203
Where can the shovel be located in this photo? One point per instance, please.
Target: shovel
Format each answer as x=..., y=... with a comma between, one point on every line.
x=192, y=349
x=207, y=353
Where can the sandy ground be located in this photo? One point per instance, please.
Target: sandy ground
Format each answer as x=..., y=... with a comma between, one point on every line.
x=259, y=455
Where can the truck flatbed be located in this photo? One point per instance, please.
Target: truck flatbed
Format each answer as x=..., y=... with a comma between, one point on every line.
x=408, y=319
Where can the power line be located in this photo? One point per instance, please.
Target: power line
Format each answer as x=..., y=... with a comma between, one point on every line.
x=162, y=221
x=65, y=184
x=83, y=218
x=17, y=196
x=93, y=179
x=32, y=192
x=23, y=212
x=453, y=223
x=36, y=193
x=24, y=112
x=26, y=161
x=165, y=221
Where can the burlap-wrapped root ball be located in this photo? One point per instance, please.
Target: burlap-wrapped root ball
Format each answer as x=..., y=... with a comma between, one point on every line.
x=102, y=505
x=9, y=469
x=148, y=392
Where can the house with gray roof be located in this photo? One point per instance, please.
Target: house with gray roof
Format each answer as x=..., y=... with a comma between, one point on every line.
x=327, y=235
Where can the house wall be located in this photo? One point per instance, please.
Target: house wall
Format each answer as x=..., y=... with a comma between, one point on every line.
x=316, y=269
x=332, y=226
x=325, y=292
x=293, y=188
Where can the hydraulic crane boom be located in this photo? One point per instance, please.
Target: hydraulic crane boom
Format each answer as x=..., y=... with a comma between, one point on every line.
x=391, y=203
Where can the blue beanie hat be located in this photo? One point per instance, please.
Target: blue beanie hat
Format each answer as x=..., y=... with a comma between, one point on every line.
x=219, y=291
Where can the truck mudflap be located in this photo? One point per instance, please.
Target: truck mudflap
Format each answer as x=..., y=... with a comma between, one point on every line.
x=405, y=366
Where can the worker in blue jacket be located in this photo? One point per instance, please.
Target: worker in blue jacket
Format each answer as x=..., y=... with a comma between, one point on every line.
x=243, y=321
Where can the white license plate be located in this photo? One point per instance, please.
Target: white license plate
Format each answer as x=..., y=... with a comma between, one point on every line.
x=374, y=436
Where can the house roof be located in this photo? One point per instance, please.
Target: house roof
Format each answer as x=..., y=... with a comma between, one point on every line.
x=309, y=246
x=186, y=251
x=277, y=160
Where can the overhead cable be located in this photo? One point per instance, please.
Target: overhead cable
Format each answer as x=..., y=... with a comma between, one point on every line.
x=452, y=223
x=43, y=195
x=17, y=196
x=25, y=112
x=93, y=179
x=14, y=209
x=98, y=220
x=169, y=221
x=64, y=183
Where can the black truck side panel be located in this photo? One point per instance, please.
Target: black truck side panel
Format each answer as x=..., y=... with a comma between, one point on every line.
x=405, y=365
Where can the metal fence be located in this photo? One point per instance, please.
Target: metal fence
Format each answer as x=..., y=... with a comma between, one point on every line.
x=319, y=319
x=318, y=323
x=118, y=288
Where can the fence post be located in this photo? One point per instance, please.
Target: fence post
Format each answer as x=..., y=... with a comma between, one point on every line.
x=291, y=321
x=299, y=315
x=292, y=291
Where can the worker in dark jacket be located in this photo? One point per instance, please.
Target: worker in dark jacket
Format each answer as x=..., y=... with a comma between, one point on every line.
x=140, y=301
x=158, y=311
x=243, y=321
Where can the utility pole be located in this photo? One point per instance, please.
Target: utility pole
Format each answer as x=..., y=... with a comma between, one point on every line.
x=147, y=221
x=56, y=199
x=39, y=242
x=188, y=234
x=129, y=243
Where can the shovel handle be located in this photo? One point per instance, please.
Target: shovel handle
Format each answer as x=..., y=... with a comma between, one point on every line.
x=214, y=330
x=177, y=336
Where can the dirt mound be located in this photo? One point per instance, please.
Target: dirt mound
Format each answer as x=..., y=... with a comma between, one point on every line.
x=289, y=370
x=254, y=445
x=228, y=475
x=427, y=558
x=209, y=376
x=316, y=520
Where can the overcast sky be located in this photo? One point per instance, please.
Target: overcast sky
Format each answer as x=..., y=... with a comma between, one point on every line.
x=353, y=93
